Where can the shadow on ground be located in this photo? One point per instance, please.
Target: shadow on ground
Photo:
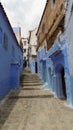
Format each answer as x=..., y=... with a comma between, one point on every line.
x=34, y=96
x=7, y=107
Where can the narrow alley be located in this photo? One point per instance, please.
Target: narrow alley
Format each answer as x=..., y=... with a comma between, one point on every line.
x=32, y=108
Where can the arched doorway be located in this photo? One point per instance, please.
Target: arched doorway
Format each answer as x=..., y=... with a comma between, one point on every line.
x=63, y=82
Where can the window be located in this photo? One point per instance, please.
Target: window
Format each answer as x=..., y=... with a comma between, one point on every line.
x=45, y=47
x=53, y=2
x=25, y=50
x=72, y=9
x=24, y=42
x=25, y=58
x=43, y=27
x=0, y=35
x=38, y=38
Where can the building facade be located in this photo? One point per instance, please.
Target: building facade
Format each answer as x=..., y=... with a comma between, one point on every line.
x=11, y=60
x=32, y=50
x=69, y=39
x=17, y=31
x=53, y=63
x=25, y=51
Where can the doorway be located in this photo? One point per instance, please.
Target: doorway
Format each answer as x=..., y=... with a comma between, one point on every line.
x=44, y=71
x=63, y=83
x=50, y=77
x=36, y=67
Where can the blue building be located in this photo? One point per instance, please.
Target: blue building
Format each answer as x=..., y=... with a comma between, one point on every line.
x=69, y=39
x=53, y=68
x=11, y=60
x=54, y=53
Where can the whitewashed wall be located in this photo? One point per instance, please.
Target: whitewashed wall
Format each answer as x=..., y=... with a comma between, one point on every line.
x=69, y=34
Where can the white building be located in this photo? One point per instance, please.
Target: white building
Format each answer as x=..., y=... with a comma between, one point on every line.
x=25, y=48
x=17, y=31
x=32, y=50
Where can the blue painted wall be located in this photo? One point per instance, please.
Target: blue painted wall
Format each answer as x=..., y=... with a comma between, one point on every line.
x=49, y=69
x=32, y=66
x=69, y=40
x=11, y=61
x=59, y=61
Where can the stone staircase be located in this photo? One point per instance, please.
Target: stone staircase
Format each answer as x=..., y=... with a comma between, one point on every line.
x=28, y=79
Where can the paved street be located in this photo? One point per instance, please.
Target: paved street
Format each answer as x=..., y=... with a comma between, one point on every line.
x=32, y=108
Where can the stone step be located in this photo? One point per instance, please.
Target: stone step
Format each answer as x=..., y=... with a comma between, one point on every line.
x=35, y=94
x=30, y=81
x=27, y=70
x=30, y=88
x=30, y=76
x=31, y=84
x=38, y=86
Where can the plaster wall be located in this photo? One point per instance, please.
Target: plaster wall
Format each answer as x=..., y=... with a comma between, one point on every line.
x=69, y=34
x=10, y=53
x=69, y=39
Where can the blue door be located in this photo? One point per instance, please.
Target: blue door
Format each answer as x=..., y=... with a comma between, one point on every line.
x=14, y=76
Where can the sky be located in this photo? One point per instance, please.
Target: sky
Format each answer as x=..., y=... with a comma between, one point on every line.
x=24, y=13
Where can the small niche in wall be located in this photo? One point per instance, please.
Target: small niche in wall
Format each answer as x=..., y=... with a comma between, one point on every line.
x=38, y=38
x=13, y=51
x=5, y=41
x=43, y=28
x=1, y=36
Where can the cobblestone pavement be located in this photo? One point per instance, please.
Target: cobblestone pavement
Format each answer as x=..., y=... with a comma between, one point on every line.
x=32, y=108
